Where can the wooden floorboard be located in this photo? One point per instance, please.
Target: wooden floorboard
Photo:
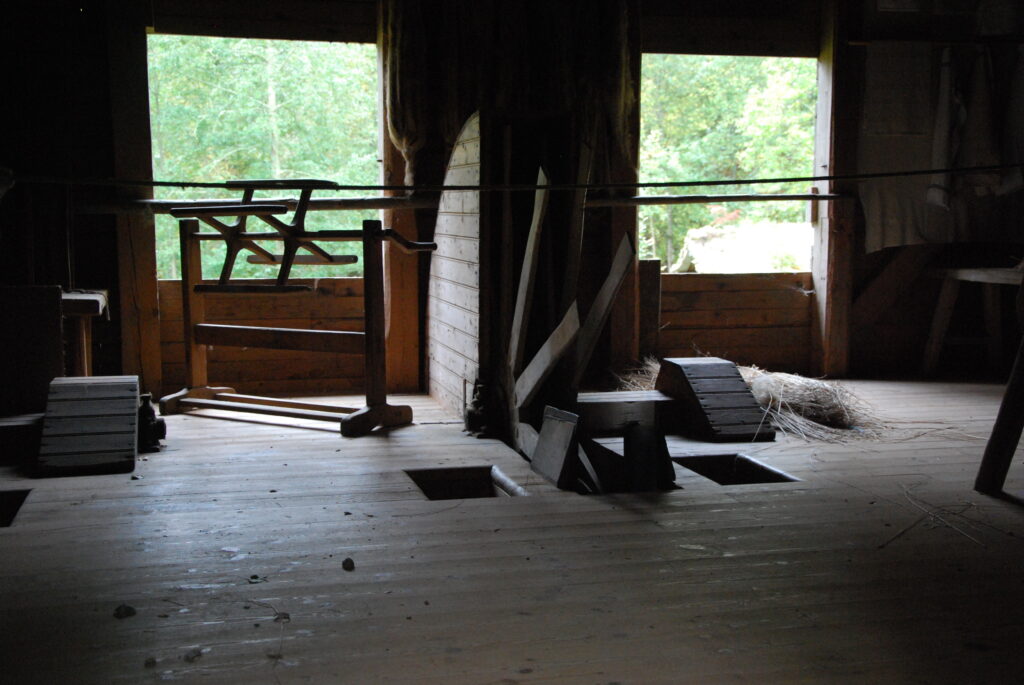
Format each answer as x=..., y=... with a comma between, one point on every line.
x=880, y=564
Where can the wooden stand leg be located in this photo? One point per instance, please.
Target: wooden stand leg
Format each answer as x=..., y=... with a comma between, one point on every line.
x=377, y=411
x=940, y=324
x=1006, y=432
x=193, y=308
x=993, y=325
x=192, y=312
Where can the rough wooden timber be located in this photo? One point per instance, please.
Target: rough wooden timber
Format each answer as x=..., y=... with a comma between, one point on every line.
x=717, y=404
x=612, y=412
x=90, y=426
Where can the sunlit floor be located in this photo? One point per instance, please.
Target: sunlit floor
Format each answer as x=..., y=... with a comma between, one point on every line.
x=880, y=564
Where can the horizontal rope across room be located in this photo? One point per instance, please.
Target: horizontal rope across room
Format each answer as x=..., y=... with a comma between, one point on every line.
x=327, y=185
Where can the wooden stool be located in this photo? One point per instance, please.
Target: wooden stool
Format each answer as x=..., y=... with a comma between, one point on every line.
x=991, y=279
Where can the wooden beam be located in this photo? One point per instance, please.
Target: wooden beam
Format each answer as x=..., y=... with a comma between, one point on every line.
x=527, y=276
x=339, y=21
x=622, y=264
x=835, y=153
x=993, y=276
x=338, y=342
x=262, y=408
x=611, y=412
x=574, y=241
x=624, y=345
x=404, y=336
x=136, y=240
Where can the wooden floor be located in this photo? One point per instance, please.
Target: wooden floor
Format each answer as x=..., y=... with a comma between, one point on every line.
x=880, y=565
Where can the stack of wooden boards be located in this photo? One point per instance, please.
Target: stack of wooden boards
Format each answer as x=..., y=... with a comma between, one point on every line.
x=716, y=404
x=704, y=398
x=90, y=426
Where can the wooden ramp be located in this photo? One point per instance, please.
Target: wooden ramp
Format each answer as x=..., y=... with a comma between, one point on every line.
x=90, y=426
x=716, y=402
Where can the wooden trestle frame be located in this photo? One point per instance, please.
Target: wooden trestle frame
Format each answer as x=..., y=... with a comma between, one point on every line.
x=198, y=334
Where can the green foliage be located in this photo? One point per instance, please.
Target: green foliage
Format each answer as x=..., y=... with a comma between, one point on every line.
x=224, y=109
x=706, y=117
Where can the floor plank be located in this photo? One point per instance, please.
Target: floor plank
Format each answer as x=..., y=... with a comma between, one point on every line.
x=880, y=564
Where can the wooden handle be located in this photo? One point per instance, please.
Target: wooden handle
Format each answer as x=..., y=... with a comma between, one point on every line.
x=406, y=245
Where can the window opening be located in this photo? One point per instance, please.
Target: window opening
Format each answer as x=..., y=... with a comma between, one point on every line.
x=707, y=117
x=231, y=108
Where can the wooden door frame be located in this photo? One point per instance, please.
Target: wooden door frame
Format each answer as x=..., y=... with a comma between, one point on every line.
x=834, y=230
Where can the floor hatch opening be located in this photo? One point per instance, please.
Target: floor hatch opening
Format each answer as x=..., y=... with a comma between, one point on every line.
x=468, y=482
x=733, y=469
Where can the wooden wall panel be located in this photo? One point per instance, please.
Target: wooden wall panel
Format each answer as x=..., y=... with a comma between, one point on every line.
x=741, y=27
x=453, y=300
x=333, y=304
x=759, y=319
x=339, y=20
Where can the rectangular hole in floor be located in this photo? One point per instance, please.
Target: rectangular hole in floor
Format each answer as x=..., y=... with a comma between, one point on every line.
x=467, y=482
x=733, y=469
x=10, y=503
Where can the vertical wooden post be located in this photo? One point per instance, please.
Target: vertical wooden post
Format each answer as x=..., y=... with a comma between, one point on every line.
x=136, y=241
x=377, y=411
x=402, y=319
x=650, y=307
x=625, y=315
x=373, y=303
x=832, y=263
x=193, y=309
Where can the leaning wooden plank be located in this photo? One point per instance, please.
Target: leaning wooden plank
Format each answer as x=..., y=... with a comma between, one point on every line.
x=275, y=402
x=553, y=456
x=525, y=438
x=547, y=357
x=524, y=295
x=574, y=240
x=253, y=408
x=340, y=342
x=602, y=307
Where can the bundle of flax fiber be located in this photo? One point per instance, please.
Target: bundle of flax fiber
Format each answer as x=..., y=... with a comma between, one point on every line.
x=809, y=408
